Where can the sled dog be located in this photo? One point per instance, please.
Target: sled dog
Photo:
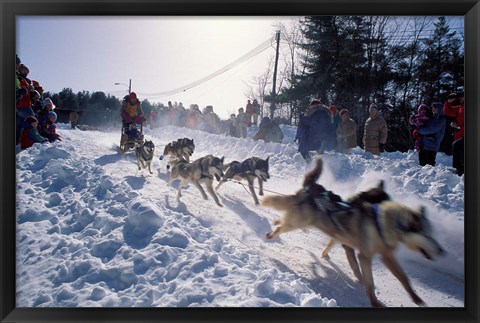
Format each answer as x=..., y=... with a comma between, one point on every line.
x=180, y=149
x=368, y=228
x=249, y=169
x=200, y=171
x=144, y=153
x=374, y=196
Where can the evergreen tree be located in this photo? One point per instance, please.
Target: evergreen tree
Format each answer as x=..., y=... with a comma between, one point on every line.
x=441, y=69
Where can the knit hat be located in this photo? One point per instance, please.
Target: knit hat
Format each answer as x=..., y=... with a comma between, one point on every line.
x=50, y=114
x=133, y=96
x=333, y=108
x=422, y=108
x=48, y=101
x=30, y=119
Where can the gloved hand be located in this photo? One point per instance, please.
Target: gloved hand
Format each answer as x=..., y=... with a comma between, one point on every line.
x=381, y=147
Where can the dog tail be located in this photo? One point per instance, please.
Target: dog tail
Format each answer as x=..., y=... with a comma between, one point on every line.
x=312, y=176
x=279, y=202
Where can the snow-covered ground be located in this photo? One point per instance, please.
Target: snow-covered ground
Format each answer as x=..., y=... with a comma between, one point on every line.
x=94, y=231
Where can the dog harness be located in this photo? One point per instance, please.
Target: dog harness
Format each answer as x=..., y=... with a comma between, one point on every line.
x=342, y=207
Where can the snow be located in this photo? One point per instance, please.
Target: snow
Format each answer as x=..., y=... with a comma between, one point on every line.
x=94, y=231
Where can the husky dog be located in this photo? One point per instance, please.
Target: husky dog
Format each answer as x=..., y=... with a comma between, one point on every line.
x=180, y=149
x=144, y=153
x=368, y=228
x=249, y=169
x=374, y=196
x=200, y=171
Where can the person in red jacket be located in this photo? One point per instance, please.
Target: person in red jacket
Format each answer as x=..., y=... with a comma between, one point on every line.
x=455, y=107
x=30, y=134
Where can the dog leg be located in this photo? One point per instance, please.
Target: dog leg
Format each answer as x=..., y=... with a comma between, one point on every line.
x=180, y=186
x=283, y=226
x=260, y=184
x=200, y=188
x=212, y=193
x=252, y=190
x=392, y=264
x=352, y=260
x=149, y=167
x=366, y=264
x=327, y=249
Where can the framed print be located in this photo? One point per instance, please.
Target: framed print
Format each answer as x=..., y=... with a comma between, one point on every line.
x=163, y=159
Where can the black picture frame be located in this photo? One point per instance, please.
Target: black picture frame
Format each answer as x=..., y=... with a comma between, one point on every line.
x=470, y=9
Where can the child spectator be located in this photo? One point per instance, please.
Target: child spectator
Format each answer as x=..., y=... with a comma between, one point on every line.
x=49, y=128
x=48, y=107
x=30, y=134
x=419, y=121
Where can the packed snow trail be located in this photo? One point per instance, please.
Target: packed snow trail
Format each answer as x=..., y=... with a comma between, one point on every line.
x=93, y=230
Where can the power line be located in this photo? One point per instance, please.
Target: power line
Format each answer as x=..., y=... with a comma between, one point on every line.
x=257, y=50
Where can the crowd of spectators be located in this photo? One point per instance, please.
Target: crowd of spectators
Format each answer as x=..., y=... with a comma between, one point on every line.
x=35, y=115
x=320, y=128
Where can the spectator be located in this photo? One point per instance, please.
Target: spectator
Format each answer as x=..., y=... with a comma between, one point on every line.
x=211, y=120
x=49, y=128
x=37, y=97
x=232, y=130
x=335, y=120
x=419, y=121
x=376, y=131
x=24, y=104
x=172, y=115
x=193, y=117
x=431, y=136
x=30, y=134
x=346, y=133
x=455, y=107
x=37, y=102
x=249, y=110
x=315, y=130
x=48, y=107
x=269, y=131
x=241, y=123
x=73, y=117
x=18, y=87
x=256, y=111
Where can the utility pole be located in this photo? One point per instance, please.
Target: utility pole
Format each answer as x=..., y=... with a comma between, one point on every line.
x=130, y=86
x=272, y=106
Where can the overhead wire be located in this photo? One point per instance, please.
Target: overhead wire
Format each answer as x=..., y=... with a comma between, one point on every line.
x=257, y=50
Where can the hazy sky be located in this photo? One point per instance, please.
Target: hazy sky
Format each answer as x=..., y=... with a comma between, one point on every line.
x=158, y=54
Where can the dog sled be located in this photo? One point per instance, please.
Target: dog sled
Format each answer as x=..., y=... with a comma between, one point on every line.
x=132, y=135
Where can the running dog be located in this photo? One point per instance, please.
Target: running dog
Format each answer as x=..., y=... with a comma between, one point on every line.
x=374, y=196
x=180, y=149
x=144, y=153
x=200, y=171
x=368, y=228
x=249, y=169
